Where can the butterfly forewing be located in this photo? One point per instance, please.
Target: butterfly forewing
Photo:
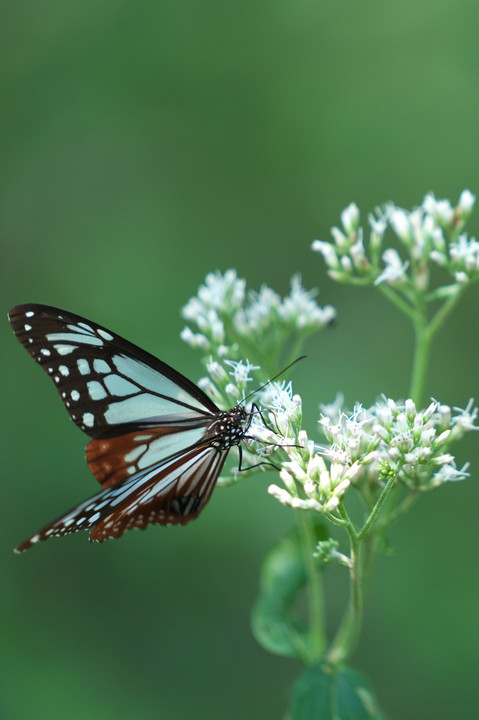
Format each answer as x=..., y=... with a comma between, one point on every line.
x=106, y=383
x=158, y=442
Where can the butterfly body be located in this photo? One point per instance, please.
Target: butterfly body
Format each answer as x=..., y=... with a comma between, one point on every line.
x=158, y=442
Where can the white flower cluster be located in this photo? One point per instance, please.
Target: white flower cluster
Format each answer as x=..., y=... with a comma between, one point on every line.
x=413, y=445
x=229, y=319
x=367, y=447
x=431, y=233
x=221, y=296
x=227, y=387
x=310, y=483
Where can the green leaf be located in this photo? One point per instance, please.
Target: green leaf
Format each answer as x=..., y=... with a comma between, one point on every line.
x=283, y=575
x=326, y=693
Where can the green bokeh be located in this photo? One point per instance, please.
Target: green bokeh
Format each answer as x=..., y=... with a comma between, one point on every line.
x=144, y=144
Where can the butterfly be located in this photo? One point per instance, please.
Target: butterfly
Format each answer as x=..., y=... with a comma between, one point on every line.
x=158, y=442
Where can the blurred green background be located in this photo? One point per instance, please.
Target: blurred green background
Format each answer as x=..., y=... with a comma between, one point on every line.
x=143, y=145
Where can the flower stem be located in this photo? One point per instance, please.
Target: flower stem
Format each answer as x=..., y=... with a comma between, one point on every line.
x=314, y=591
x=348, y=633
x=424, y=334
x=397, y=300
x=421, y=357
x=379, y=504
x=444, y=311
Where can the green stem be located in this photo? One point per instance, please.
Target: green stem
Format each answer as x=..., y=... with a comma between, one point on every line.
x=421, y=356
x=314, y=591
x=335, y=520
x=371, y=548
x=363, y=553
x=424, y=334
x=379, y=504
x=444, y=311
x=348, y=633
x=397, y=300
x=347, y=522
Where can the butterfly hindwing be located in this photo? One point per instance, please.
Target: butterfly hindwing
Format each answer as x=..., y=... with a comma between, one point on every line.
x=112, y=459
x=108, y=385
x=172, y=493
x=174, y=496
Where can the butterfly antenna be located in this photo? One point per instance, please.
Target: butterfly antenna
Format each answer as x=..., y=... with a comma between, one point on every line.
x=302, y=357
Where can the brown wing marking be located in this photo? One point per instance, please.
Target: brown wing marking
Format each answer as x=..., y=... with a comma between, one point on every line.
x=178, y=504
x=111, y=460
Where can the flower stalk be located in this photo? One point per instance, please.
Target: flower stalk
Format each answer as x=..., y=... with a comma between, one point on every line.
x=313, y=587
x=347, y=636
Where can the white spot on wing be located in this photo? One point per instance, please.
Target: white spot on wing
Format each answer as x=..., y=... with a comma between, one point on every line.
x=30, y=313
x=83, y=366
x=100, y=366
x=105, y=334
x=64, y=370
x=65, y=349
x=45, y=352
x=28, y=327
x=88, y=419
x=96, y=390
x=75, y=395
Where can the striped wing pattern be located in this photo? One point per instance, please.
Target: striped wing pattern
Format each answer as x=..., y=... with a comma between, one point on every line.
x=170, y=494
x=158, y=443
